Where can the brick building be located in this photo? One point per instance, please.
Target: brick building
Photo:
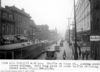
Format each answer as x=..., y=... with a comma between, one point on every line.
x=16, y=22
x=7, y=22
x=22, y=20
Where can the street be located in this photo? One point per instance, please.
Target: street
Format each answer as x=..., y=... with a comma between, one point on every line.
x=25, y=32
x=65, y=47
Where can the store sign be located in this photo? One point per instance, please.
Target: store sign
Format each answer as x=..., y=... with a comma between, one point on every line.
x=94, y=38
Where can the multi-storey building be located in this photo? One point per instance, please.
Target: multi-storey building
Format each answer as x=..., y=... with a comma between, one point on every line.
x=16, y=22
x=88, y=28
x=83, y=20
x=22, y=20
x=7, y=22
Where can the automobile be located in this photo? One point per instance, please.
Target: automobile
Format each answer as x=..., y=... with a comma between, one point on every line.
x=51, y=55
x=8, y=40
x=57, y=48
x=61, y=44
x=21, y=38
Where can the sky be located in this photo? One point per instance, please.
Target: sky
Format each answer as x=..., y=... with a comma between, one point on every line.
x=54, y=13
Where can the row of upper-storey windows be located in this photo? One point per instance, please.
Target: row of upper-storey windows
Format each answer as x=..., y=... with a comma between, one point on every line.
x=6, y=15
x=83, y=13
x=20, y=18
x=83, y=16
x=81, y=7
x=84, y=24
x=79, y=4
x=7, y=28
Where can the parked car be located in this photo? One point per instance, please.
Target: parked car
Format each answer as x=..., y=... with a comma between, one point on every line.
x=8, y=40
x=21, y=38
x=57, y=48
x=61, y=44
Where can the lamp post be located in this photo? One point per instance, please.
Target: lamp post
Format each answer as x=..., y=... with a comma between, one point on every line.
x=75, y=45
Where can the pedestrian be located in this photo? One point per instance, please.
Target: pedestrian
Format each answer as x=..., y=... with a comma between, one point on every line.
x=64, y=55
x=83, y=55
x=61, y=44
x=87, y=54
x=79, y=48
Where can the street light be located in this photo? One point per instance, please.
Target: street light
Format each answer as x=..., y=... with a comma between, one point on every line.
x=75, y=45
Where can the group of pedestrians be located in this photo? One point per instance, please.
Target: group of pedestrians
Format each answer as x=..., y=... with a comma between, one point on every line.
x=84, y=54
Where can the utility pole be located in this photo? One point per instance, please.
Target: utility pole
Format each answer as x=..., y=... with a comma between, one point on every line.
x=0, y=3
x=75, y=45
x=0, y=25
x=69, y=28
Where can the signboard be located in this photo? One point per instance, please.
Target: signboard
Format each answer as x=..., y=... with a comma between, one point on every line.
x=0, y=3
x=83, y=49
x=95, y=38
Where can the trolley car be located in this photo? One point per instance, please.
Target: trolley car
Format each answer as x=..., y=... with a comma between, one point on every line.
x=51, y=54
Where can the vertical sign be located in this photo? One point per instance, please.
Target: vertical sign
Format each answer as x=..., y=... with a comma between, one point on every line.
x=0, y=23
x=0, y=3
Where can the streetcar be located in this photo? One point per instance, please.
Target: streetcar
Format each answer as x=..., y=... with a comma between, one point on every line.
x=51, y=54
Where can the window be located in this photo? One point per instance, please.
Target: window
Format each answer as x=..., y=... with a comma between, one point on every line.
x=10, y=17
x=3, y=28
x=4, y=15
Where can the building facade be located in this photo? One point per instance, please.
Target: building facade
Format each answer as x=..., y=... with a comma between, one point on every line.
x=88, y=25
x=16, y=22
x=46, y=33
x=7, y=22
x=22, y=20
x=83, y=20
x=95, y=29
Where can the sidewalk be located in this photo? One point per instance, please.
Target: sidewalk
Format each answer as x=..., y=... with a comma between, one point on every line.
x=83, y=49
